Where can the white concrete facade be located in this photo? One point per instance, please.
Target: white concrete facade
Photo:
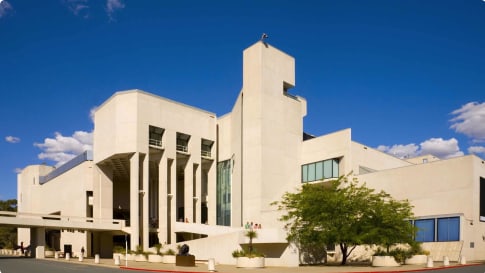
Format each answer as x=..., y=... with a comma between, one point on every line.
x=176, y=173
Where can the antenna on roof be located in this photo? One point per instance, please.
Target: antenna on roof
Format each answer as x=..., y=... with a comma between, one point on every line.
x=263, y=38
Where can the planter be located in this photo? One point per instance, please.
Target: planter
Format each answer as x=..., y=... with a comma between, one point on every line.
x=417, y=259
x=245, y=262
x=168, y=259
x=384, y=261
x=141, y=258
x=130, y=257
x=155, y=258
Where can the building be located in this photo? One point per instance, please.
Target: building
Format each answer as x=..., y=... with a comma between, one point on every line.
x=176, y=174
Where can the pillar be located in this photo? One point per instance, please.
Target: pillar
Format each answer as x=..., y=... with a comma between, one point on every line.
x=145, y=198
x=134, y=205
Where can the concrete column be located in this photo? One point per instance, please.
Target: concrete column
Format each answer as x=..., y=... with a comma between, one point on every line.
x=37, y=242
x=198, y=196
x=173, y=202
x=162, y=199
x=145, y=195
x=134, y=206
x=211, y=194
x=188, y=191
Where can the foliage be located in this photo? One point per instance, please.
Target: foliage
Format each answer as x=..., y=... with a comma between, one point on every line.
x=169, y=252
x=344, y=213
x=244, y=253
x=157, y=248
x=119, y=249
x=250, y=252
x=8, y=235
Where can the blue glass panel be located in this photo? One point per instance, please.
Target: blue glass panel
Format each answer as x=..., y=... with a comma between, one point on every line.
x=304, y=173
x=425, y=230
x=335, y=172
x=319, y=170
x=448, y=229
x=327, y=168
x=311, y=172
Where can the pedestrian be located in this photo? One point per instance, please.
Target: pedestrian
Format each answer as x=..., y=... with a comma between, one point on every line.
x=82, y=251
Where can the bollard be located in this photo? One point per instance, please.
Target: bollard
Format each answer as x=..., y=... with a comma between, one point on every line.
x=81, y=258
x=462, y=260
x=211, y=265
x=117, y=260
x=446, y=261
x=68, y=256
x=56, y=255
x=96, y=259
x=429, y=262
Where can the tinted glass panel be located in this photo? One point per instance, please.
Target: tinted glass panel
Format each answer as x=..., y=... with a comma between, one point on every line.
x=448, y=229
x=425, y=230
x=319, y=170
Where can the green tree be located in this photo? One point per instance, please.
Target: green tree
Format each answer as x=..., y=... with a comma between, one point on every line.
x=344, y=213
x=8, y=235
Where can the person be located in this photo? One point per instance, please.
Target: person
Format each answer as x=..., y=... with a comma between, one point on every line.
x=246, y=226
x=22, y=247
x=82, y=251
x=259, y=226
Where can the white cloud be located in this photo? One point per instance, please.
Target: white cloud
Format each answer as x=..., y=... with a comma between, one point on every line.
x=470, y=121
x=441, y=148
x=112, y=6
x=63, y=148
x=438, y=147
x=4, y=8
x=400, y=151
x=476, y=150
x=78, y=7
x=12, y=139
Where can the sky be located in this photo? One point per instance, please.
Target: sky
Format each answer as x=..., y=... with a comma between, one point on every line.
x=407, y=76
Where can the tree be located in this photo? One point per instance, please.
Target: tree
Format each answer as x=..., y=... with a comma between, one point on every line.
x=8, y=235
x=344, y=213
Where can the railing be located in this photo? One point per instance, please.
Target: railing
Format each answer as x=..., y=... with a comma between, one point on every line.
x=205, y=153
x=182, y=148
x=155, y=142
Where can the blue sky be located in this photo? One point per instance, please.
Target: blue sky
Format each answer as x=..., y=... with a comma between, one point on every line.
x=408, y=76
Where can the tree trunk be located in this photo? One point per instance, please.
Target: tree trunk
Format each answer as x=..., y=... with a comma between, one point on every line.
x=343, y=248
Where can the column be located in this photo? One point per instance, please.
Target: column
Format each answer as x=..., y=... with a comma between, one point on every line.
x=134, y=206
x=162, y=199
x=145, y=195
x=173, y=207
x=188, y=191
x=198, y=190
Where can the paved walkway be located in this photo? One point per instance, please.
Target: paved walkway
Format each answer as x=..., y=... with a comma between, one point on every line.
x=203, y=267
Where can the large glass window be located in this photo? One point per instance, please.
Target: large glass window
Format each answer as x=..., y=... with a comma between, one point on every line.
x=448, y=229
x=223, y=197
x=320, y=170
x=425, y=231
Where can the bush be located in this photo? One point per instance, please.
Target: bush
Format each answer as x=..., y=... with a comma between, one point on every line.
x=169, y=252
x=119, y=249
x=244, y=253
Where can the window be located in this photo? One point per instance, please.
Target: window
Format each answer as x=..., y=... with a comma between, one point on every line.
x=425, y=230
x=206, y=147
x=320, y=170
x=183, y=142
x=155, y=136
x=223, y=194
x=443, y=229
x=448, y=229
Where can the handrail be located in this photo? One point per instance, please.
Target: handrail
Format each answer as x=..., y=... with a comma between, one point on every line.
x=182, y=148
x=205, y=153
x=155, y=142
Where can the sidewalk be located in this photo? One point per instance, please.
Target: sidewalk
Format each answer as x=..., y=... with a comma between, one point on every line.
x=203, y=267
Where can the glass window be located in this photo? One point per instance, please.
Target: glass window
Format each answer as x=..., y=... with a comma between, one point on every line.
x=319, y=170
x=304, y=173
x=448, y=229
x=335, y=172
x=223, y=194
x=425, y=231
x=327, y=168
x=311, y=172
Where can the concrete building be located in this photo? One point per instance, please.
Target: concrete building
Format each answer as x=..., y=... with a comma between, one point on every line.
x=176, y=174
